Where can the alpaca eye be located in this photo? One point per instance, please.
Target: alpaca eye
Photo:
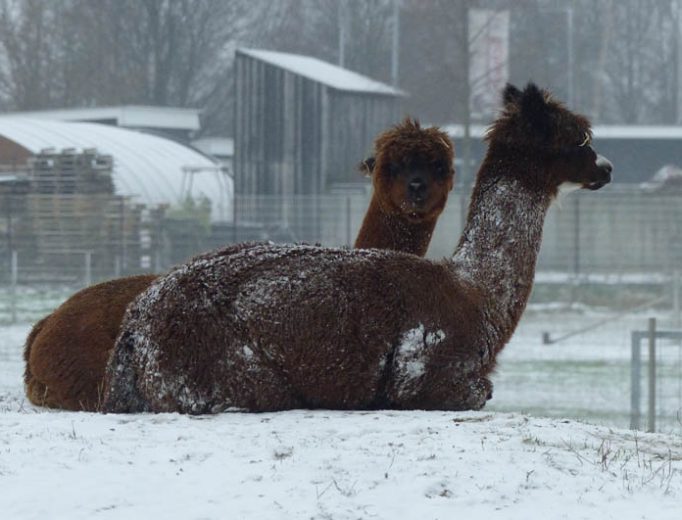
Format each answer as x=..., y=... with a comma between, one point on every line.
x=586, y=141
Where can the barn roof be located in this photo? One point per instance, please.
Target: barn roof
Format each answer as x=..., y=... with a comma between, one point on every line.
x=132, y=116
x=155, y=169
x=322, y=72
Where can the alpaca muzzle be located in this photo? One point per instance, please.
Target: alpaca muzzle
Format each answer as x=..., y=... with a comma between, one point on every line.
x=603, y=176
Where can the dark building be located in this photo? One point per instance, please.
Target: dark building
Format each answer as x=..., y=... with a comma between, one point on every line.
x=302, y=124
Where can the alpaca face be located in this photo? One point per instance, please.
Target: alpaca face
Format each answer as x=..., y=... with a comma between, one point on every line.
x=582, y=167
x=418, y=190
x=412, y=172
x=551, y=143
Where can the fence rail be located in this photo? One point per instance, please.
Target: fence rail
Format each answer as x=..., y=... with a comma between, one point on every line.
x=59, y=238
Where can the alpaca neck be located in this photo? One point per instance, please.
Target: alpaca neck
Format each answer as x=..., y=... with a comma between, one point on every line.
x=499, y=247
x=384, y=230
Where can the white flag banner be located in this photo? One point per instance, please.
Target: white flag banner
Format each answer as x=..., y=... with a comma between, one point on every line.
x=488, y=60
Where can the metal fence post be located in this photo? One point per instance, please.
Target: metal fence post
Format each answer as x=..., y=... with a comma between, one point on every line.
x=14, y=279
x=348, y=222
x=88, y=268
x=651, y=414
x=677, y=313
x=635, y=378
x=576, y=236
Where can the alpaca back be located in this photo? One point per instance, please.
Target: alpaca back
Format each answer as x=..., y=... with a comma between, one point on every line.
x=277, y=327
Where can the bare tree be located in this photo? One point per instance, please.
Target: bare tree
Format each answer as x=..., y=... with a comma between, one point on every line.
x=641, y=62
x=29, y=77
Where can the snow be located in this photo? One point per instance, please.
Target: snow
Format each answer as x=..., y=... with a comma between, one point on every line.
x=322, y=72
x=327, y=464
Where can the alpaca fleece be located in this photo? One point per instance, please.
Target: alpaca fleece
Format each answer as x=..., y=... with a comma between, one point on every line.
x=280, y=327
x=67, y=351
x=277, y=327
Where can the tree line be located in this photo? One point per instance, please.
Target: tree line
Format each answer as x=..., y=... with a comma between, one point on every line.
x=615, y=60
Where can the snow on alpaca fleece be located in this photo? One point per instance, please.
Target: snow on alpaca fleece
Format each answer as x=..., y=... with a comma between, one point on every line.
x=277, y=327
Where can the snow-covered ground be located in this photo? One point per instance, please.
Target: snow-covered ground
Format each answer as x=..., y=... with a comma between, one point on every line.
x=350, y=465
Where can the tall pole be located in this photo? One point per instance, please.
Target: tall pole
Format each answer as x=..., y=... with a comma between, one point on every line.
x=569, y=43
x=342, y=32
x=677, y=6
x=395, y=48
x=651, y=413
x=466, y=143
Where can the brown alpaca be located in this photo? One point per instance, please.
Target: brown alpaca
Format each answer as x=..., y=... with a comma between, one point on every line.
x=412, y=176
x=281, y=327
x=66, y=352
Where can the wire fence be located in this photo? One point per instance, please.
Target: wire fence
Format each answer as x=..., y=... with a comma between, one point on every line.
x=616, y=251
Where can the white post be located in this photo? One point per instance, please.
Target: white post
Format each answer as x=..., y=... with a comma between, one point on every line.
x=88, y=268
x=14, y=278
x=117, y=266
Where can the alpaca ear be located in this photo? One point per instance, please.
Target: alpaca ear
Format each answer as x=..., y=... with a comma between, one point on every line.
x=367, y=166
x=510, y=95
x=534, y=111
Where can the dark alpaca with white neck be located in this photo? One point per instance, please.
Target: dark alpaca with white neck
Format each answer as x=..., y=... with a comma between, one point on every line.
x=281, y=327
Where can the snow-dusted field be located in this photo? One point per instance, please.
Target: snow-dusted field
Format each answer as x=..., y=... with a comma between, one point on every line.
x=350, y=465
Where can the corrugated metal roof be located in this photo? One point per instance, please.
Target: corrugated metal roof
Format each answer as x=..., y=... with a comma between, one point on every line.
x=323, y=72
x=155, y=169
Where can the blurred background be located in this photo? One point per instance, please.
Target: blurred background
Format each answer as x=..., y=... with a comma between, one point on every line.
x=137, y=133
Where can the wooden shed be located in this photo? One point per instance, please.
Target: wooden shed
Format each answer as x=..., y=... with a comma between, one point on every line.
x=302, y=124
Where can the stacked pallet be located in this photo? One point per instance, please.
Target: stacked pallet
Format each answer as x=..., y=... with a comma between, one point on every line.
x=71, y=171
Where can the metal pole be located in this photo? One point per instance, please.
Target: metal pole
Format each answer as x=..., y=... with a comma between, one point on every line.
x=569, y=37
x=395, y=48
x=651, y=414
x=88, y=268
x=576, y=236
x=635, y=379
x=677, y=314
x=342, y=33
x=14, y=278
x=348, y=222
x=117, y=266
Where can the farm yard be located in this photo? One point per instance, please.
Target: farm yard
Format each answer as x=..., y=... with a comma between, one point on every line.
x=277, y=171
x=552, y=443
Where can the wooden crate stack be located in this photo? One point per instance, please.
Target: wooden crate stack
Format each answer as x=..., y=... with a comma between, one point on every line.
x=71, y=171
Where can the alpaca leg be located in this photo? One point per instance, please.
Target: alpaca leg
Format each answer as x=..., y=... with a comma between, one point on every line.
x=480, y=391
x=120, y=393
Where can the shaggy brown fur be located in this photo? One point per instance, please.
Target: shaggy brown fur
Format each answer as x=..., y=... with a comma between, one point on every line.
x=67, y=351
x=279, y=327
x=412, y=174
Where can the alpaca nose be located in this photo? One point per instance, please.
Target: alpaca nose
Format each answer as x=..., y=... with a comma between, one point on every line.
x=605, y=165
x=417, y=187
